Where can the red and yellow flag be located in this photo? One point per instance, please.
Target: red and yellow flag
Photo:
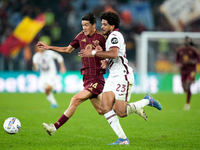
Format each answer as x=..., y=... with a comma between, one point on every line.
x=23, y=34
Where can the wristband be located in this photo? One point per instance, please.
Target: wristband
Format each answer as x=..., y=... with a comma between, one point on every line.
x=93, y=52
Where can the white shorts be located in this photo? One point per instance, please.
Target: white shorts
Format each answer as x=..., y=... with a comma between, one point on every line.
x=121, y=86
x=47, y=80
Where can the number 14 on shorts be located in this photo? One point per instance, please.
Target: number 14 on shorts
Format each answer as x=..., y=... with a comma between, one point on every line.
x=94, y=85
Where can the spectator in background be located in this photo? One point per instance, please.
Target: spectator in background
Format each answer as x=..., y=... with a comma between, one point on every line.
x=55, y=32
x=186, y=58
x=162, y=64
x=71, y=22
x=49, y=17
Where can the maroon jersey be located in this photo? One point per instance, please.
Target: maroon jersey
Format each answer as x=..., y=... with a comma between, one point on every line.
x=184, y=55
x=90, y=65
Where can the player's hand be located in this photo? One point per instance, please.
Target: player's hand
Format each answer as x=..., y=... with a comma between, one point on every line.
x=104, y=64
x=62, y=70
x=96, y=46
x=34, y=68
x=42, y=45
x=180, y=65
x=192, y=61
x=85, y=53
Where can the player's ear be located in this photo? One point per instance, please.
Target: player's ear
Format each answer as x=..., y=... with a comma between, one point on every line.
x=113, y=27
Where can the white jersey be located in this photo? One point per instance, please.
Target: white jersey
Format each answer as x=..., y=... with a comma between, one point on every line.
x=45, y=62
x=118, y=66
x=121, y=78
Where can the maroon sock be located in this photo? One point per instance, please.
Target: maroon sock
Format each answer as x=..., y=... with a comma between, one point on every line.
x=188, y=96
x=61, y=121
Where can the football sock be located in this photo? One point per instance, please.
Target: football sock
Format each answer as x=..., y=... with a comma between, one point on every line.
x=114, y=123
x=61, y=121
x=188, y=96
x=132, y=107
x=51, y=99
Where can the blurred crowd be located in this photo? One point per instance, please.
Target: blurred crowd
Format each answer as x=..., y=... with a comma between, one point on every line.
x=63, y=23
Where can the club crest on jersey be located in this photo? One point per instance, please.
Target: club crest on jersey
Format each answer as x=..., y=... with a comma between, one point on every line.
x=114, y=40
x=88, y=47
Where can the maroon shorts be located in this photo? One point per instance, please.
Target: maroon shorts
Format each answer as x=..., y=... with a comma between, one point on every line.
x=94, y=84
x=190, y=76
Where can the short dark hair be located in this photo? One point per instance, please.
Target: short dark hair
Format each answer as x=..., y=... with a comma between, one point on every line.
x=89, y=17
x=111, y=17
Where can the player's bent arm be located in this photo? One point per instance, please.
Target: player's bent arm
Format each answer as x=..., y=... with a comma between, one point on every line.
x=35, y=67
x=111, y=54
x=60, y=60
x=197, y=56
x=178, y=63
x=62, y=67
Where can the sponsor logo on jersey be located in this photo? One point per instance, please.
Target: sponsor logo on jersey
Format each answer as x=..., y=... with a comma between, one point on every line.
x=114, y=40
x=84, y=40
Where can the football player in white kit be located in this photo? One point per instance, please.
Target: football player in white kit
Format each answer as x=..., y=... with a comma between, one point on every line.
x=117, y=88
x=43, y=60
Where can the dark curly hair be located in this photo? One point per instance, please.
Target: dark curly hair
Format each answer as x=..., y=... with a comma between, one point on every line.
x=111, y=17
x=89, y=17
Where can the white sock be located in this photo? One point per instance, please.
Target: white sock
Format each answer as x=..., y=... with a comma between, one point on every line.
x=114, y=123
x=51, y=99
x=132, y=107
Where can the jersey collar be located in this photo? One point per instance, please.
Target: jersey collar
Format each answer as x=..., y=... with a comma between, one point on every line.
x=116, y=29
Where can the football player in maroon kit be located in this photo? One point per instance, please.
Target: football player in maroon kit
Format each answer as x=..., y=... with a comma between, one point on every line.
x=93, y=80
x=186, y=58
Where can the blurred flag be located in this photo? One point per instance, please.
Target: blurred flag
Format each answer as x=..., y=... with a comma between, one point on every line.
x=23, y=34
x=180, y=12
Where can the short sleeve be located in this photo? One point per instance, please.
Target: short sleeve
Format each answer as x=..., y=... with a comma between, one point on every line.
x=75, y=43
x=113, y=40
x=35, y=58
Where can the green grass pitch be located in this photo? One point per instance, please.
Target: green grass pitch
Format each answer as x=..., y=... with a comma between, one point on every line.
x=168, y=129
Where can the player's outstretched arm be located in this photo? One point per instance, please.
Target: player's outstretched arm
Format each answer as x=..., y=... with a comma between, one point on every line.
x=67, y=49
x=42, y=45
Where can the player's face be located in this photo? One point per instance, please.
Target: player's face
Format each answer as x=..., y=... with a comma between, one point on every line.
x=186, y=41
x=106, y=28
x=88, y=28
x=41, y=49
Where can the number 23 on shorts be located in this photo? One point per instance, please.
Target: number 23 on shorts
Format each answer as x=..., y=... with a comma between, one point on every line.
x=121, y=88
